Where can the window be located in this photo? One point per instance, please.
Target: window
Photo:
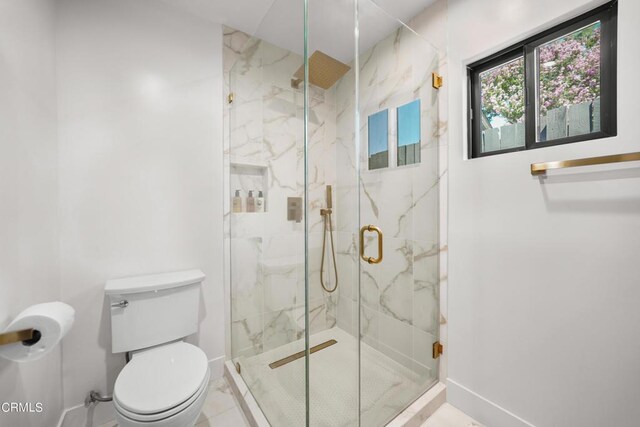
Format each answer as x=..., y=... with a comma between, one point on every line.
x=408, y=122
x=378, y=140
x=554, y=88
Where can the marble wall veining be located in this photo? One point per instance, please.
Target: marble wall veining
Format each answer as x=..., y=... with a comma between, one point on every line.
x=399, y=297
x=401, y=311
x=264, y=151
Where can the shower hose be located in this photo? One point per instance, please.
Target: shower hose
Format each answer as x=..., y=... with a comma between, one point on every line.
x=328, y=228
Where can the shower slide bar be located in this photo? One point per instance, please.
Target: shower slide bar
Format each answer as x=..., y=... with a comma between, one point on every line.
x=542, y=168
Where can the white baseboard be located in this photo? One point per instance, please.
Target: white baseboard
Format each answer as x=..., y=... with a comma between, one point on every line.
x=481, y=409
x=81, y=416
x=216, y=366
x=63, y=415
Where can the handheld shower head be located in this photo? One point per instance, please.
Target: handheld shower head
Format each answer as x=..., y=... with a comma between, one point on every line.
x=326, y=215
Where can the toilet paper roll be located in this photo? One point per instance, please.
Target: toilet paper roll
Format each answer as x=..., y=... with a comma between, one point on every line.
x=51, y=319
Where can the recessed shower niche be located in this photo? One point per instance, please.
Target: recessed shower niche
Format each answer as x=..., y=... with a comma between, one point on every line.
x=245, y=177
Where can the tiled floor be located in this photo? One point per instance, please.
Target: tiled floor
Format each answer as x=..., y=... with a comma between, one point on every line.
x=222, y=410
x=450, y=416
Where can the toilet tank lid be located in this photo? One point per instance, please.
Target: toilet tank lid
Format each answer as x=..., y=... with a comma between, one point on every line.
x=153, y=282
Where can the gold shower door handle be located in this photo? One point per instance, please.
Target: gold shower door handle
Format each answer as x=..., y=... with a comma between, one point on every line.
x=371, y=260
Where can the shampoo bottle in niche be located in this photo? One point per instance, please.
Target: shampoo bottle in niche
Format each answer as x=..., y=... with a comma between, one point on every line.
x=260, y=202
x=236, y=203
x=251, y=202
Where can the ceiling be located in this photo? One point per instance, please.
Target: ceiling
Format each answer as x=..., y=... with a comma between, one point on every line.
x=330, y=21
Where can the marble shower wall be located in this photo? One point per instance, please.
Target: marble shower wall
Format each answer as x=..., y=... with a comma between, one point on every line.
x=399, y=297
x=403, y=299
x=264, y=151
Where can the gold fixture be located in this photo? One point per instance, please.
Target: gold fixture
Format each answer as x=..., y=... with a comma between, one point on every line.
x=542, y=168
x=238, y=368
x=16, y=336
x=301, y=354
x=436, y=80
x=326, y=218
x=324, y=71
x=438, y=349
x=230, y=98
x=371, y=260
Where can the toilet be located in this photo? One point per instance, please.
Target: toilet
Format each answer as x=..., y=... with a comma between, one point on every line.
x=165, y=382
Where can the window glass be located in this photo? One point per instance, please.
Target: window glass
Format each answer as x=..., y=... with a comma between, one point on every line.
x=378, y=125
x=569, y=84
x=556, y=87
x=502, y=105
x=408, y=117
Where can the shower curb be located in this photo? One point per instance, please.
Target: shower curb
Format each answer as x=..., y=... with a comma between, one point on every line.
x=248, y=404
x=413, y=416
x=422, y=408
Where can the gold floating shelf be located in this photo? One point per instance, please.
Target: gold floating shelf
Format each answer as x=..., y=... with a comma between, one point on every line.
x=16, y=336
x=542, y=168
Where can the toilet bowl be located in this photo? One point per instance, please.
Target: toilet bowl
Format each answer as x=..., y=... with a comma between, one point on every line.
x=166, y=380
x=164, y=386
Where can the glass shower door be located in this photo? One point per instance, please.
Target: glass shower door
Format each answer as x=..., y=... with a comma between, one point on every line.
x=331, y=161
x=266, y=238
x=332, y=218
x=397, y=115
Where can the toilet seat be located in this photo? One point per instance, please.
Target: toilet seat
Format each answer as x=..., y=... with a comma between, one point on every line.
x=161, y=382
x=166, y=414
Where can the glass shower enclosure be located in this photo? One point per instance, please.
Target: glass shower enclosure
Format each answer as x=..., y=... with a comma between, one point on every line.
x=331, y=212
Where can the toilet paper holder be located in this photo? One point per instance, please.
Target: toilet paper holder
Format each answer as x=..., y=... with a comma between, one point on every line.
x=26, y=336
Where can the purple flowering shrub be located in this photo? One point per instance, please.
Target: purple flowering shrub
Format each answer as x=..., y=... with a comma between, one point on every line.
x=570, y=70
x=502, y=90
x=569, y=74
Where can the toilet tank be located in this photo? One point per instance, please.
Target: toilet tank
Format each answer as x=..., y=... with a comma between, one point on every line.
x=154, y=309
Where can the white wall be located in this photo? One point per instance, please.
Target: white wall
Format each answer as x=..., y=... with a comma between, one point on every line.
x=140, y=119
x=544, y=295
x=28, y=196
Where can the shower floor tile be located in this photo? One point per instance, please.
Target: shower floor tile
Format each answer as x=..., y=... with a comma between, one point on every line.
x=387, y=386
x=222, y=410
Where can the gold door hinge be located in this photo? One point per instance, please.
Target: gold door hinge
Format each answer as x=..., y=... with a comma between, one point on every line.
x=437, y=349
x=436, y=80
x=238, y=368
x=230, y=98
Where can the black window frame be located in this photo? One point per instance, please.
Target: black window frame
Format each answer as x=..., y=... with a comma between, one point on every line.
x=607, y=14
